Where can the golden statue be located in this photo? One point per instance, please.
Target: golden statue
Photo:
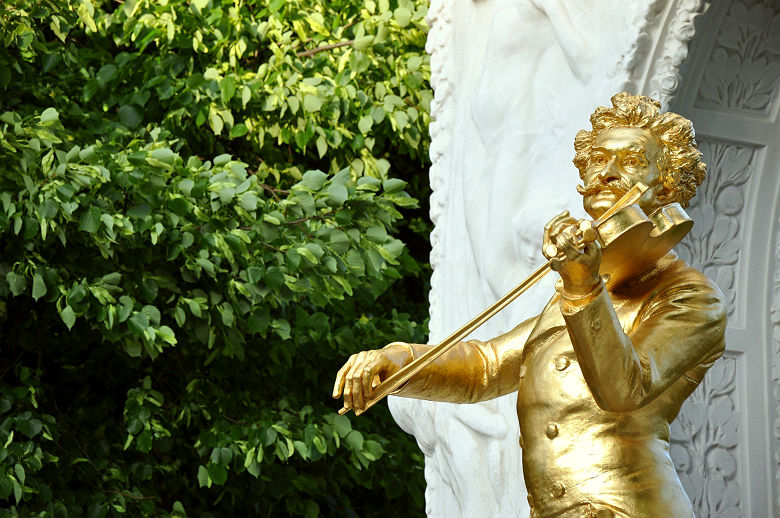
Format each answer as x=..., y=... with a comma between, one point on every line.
x=604, y=369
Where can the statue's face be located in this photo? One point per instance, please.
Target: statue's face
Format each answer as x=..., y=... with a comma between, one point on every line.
x=620, y=158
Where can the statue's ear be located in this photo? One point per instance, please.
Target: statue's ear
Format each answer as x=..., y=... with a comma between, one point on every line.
x=669, y=192
x=666, y=196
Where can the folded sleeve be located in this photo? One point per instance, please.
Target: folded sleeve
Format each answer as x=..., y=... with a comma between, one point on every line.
x=678, y=333
x=471, y=371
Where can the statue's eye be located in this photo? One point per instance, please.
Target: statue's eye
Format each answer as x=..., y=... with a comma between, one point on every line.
x=631, y=161
x=599, y=160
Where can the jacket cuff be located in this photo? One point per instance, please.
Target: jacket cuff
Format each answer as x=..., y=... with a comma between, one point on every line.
x=571, y=304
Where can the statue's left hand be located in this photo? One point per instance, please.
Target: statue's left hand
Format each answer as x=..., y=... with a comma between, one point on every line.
x=365, y=370
x=577, y=260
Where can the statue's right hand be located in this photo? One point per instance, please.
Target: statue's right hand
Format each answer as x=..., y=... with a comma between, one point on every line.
x=365, y=370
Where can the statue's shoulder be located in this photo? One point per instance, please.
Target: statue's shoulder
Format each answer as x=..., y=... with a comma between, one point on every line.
x=683, y=281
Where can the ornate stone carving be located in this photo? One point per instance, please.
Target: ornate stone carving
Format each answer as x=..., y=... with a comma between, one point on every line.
x=705, y=444
x=663, y=78
x=715, y=242
x=440, y=46
x=776, y=361
x=744, y=67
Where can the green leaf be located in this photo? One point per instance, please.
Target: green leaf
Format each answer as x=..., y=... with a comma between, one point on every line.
x=138, y=323
x=365, y=123
x=90, y=220
x=363, y=42
x=372, y=449
x=222, y=456
x=248, y=201
x=342, y=425
x=282, y=328
x=306, y=253
x=39, y=286
x=17, y=283
x=322, y=146
x=48, y=209
x=106, y=73
x=164, y=155
x=392, y=185
x=403, y=16
x=203, y=474
x=129, y=116
x=355, y=440
x=227, y=88
x=239, y=130
x=19, y=471
x=253, y=468
x=6, y=487
x=377, y=234
x=68, y=316
x=254, y=274
x=29, y=427
x=49, y=115
x=228, y=317
x=215, y=122
x=337, y=194
x=314, y=180
x=5, y=76
x=217, y=474
x=166, y=333
x=312, y=103
x=17, y=491
x=133, y=349
x=187, y=239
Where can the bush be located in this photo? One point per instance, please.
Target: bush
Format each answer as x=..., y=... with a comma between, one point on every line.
x=199, y=222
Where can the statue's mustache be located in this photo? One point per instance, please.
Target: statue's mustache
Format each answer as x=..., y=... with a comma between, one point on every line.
x=616, y=187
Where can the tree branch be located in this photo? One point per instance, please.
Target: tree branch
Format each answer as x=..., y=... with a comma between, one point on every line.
x=311, y=52
x=274, y=190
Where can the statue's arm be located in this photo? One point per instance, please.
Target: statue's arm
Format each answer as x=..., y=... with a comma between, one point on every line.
x=471, y=371
x=679, y=330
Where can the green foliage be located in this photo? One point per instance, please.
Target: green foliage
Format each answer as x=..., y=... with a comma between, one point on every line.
x=199, y=222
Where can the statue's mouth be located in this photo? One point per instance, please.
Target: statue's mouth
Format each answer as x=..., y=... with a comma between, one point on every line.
x=603, y=191
x=610, y=189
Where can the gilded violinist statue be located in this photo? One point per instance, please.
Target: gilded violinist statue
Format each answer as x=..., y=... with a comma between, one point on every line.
x=604, y=369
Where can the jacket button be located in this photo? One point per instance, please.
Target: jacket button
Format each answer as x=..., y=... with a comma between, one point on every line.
x=520, y=441
x=562, y=363
x=595, y=325
x=522, y=370
x=552, y=431
x=530, y=501
x=558, y=490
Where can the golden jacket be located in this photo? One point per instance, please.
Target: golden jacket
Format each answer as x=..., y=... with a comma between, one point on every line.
x=599, y=381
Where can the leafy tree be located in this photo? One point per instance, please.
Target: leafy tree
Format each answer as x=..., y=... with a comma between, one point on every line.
x=199, y=221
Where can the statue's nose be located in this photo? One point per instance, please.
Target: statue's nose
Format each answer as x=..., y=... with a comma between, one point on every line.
x=610, y=172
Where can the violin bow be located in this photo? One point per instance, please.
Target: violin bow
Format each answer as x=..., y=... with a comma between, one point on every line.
x=396, y=380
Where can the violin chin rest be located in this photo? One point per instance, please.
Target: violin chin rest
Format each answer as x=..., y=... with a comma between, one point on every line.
x=633, y=241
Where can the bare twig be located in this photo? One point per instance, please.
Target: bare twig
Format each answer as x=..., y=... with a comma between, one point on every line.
x=274, y=191
x=273, y=248
x=311, y=52
x=130, y=495
x=234, y=421
x=315, y=217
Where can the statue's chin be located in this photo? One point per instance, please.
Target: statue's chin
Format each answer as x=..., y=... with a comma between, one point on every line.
x=598, y=204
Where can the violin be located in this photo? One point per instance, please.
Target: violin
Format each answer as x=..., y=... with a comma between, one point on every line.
x=624, y=231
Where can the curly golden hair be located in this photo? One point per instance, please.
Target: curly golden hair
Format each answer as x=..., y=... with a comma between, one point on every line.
x=680, y=162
